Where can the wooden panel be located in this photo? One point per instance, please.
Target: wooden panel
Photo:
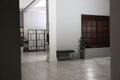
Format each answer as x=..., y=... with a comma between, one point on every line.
x=96, y=30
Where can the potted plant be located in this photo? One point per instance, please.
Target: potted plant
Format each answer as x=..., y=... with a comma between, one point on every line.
x=25, y=45
x=82, y=47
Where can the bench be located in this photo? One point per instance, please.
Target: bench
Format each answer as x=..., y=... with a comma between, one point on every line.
x=65, y=55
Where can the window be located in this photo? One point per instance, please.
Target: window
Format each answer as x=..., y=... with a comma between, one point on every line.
x=95, y=29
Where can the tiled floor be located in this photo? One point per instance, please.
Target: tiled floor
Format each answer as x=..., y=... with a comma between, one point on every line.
x=30, y=57
x=88, y=69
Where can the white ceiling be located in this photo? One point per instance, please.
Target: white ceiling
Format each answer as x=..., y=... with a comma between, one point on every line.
x=24, y=3
x=38, y=4
x=41, y=3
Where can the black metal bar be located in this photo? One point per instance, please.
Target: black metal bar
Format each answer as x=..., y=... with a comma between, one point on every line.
x=36, y=40
x=37, y=37
x=44, y=40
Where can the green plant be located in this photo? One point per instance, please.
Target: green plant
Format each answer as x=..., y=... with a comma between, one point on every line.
x=82, y=47
x=82, y=44
x=25, y=46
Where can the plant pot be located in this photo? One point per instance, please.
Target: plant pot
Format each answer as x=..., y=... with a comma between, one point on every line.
x=82, y=55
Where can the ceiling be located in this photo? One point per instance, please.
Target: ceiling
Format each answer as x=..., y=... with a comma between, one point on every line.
x=41, y=3
x=37, y=4
x=24, y=3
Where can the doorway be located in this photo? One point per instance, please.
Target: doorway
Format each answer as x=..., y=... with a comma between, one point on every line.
x=34, y=31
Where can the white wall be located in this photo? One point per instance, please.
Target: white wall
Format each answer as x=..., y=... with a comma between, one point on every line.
x=69, y=20
x=97, y=52
x=34, y=20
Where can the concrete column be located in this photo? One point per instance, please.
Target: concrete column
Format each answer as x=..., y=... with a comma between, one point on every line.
x=52, y=30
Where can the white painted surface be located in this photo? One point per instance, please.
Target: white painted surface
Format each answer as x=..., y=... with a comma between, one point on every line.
x=24, y=3
x=97, y=52
x=52, y=30
x=41, y=3
x=38, y=9
x=69, y=20
x=34, y=20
